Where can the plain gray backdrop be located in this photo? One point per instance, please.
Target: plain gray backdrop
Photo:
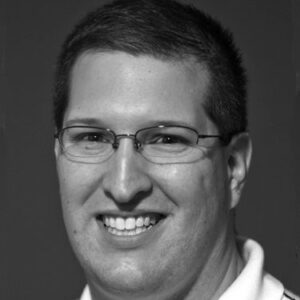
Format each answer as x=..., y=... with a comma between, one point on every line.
x=36, y=261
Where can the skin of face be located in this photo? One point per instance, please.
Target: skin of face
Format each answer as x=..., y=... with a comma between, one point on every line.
x=190, y=250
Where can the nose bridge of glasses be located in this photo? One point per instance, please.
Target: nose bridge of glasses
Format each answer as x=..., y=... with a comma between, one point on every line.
x=118, y=137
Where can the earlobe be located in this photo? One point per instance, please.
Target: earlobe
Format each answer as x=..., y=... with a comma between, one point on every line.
x=56, y=148
x=239, y=158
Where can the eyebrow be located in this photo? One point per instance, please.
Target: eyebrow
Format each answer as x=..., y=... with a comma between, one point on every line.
x=169, y=122
x=83, y=121
x=150, y=123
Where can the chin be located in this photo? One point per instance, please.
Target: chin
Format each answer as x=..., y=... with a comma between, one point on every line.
x=126, y=280
x=125, y=285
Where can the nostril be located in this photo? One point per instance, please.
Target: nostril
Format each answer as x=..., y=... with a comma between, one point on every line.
x=138, y=145
x=115, y=145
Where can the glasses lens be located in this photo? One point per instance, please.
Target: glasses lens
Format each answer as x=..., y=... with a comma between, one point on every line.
x=88, y=143
x=169, y=144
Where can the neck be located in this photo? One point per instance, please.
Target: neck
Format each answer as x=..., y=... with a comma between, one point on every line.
x=220, y=272
x=230, y=273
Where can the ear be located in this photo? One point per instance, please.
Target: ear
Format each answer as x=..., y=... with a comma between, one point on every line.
x=56, y=148
x=238, y=161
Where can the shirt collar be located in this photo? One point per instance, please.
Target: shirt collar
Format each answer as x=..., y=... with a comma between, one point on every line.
x=252, y=283
x=86, y=295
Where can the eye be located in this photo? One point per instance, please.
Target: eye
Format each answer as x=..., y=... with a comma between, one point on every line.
x=92, y=136
x=169, y=139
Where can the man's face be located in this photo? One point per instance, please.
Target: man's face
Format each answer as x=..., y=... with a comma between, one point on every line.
x=127, y=93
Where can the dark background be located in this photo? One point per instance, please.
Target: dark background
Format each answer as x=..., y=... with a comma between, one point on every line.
x=35, y=259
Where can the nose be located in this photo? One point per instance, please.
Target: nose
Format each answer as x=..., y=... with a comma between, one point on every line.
x=126, y=179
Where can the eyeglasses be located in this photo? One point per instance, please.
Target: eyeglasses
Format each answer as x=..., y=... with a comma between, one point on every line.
x=160, y=144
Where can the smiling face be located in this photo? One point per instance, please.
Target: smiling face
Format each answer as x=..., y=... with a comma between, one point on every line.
x=182, y=210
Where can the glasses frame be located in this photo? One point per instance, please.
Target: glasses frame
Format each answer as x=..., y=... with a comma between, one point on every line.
x=58, y=135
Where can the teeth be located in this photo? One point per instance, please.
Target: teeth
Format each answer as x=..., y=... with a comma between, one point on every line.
x=127, y=232
x=152, y=221
x=106, y=221
x=147, y=221
x=112, y=222
x=130, y=225
x=139, y=222
x=120, y=223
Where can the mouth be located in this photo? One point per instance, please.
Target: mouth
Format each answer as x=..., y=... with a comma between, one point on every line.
x=130, y=225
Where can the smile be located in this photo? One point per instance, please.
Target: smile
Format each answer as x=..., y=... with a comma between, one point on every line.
x=130, y=226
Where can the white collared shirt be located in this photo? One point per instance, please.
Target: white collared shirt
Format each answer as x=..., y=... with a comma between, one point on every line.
x=253, y=283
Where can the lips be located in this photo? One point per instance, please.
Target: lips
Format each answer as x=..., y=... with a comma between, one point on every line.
x=129, y=225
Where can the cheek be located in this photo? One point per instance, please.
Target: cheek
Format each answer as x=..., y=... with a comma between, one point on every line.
x=77, y=182
x=198, y=192
x=188, y=184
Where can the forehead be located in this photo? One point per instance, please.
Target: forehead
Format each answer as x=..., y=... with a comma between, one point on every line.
x=118, y=86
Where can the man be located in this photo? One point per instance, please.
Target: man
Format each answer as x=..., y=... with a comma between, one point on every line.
x=152, y=154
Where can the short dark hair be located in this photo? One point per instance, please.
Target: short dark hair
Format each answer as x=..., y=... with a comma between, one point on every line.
x=166, y=30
